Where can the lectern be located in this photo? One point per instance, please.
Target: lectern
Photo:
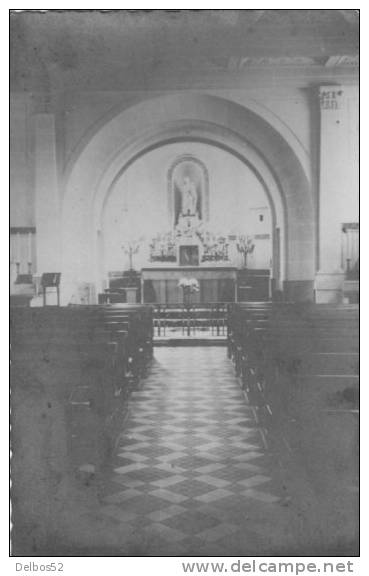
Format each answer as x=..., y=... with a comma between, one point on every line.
x=50, y=280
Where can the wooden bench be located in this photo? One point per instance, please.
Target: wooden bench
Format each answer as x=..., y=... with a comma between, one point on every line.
x=275, y=343
x=86, y=359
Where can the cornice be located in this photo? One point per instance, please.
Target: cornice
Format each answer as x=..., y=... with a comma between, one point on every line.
x=244, y=62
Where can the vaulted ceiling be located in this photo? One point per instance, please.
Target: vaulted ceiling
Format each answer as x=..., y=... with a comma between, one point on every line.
x=106, y=50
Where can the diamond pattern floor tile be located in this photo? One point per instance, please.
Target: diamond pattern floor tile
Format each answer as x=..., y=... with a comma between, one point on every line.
x=169, y=496
x=193, y=522
x=214, y=495
x=191, y=466
x=165, y=513
x=217, y=532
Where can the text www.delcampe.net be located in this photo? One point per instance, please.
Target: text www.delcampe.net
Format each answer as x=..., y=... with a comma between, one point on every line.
x=256, y=566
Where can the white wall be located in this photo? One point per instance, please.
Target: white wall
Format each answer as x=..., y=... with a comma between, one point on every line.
x=137, y=205
x=22, y=209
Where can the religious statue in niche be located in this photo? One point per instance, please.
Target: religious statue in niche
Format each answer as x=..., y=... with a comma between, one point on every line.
x=188, y=194
x=189, y=198
x=187, y=202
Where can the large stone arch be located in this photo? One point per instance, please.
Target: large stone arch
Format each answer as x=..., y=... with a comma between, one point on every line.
x=180, y=117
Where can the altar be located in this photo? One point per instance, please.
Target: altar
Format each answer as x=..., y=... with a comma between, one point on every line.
x=161, y=285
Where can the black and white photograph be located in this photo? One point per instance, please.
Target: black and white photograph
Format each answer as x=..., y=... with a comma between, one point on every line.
x=184, y=284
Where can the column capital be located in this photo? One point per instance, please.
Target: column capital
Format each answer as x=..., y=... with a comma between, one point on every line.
x=331, y=97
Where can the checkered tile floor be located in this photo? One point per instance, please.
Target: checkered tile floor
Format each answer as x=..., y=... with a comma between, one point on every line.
x=191, y=475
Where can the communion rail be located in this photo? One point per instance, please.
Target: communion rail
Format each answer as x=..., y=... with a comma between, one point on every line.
x=190, y=320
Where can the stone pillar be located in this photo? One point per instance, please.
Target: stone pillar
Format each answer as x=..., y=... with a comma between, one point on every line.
x=332, y=186
x=47, y=196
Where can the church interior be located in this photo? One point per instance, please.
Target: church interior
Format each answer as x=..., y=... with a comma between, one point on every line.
x=184, y=282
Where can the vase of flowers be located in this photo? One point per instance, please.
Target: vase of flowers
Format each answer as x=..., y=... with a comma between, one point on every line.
x=189, y=286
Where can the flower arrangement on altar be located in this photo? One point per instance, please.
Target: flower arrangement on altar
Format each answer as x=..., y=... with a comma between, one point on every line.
x=245, y=246
x=190, y=283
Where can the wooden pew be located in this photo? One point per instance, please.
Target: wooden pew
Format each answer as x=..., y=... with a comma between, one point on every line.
x=274, y=343
x=85, y=359
x=301, y=375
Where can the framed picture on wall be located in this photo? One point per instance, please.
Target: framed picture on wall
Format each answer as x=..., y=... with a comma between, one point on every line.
x=188, y=255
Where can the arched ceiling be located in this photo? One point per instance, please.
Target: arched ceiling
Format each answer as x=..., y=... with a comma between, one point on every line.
x=111, y=50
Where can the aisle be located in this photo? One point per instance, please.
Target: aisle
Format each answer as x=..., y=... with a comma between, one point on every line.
x=192, y=476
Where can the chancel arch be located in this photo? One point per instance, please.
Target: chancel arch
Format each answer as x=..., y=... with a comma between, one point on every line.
x=187, y=118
